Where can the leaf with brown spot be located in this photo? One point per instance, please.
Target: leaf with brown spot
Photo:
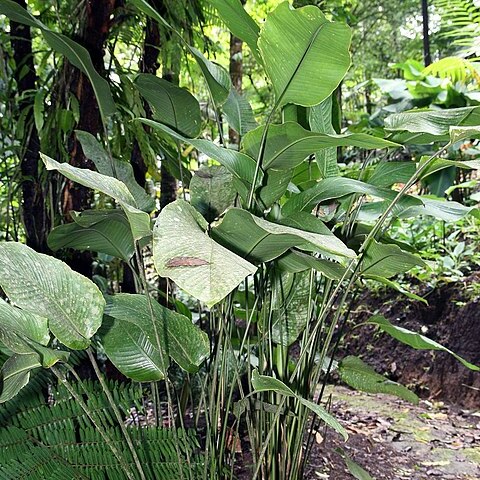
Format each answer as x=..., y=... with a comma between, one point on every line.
x=185, y=262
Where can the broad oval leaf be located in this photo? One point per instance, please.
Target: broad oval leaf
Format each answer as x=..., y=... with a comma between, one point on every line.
x=183, y=252
x=290, y=307
x=131, y=350
x=23, y=323
x=47, y=287
x=212, y=191
x=337, y=187
x=289, y=144
x=360, y=376
x=105, y=231
x=139, y=221
x=239, y=113
x=15, y=374
x=172, y=105
x=320, y=120
x=261, y=241
x=169, y=332
x=121, y=170
x=426, y=126
x=238, y=164
x=216, y=77
x=415, y=340
x=386, y=260
x=305, y=55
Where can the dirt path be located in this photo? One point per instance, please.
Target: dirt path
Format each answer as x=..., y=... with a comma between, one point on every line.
x=394, y=440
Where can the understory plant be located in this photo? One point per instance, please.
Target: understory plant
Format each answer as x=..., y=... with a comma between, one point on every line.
x=271, y=241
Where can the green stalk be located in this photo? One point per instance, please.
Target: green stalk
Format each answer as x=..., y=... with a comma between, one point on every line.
x=141, y=268
x=116, y=411
x=125, y=467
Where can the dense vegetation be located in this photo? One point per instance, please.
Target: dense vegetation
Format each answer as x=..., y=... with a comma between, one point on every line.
x=193, y=197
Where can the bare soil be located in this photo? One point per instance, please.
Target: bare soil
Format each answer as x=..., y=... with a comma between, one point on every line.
x=452, y=318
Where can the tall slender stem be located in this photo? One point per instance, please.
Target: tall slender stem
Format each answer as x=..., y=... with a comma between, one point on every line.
x=116, y=411
x=90, y=415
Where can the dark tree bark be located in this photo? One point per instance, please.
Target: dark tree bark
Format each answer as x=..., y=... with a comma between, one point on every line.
x=93, y=37
x=236, y=75
x=427, y=58
x=34, y=213
x=148, y=64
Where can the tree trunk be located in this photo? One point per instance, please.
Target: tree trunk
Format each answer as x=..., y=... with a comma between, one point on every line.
x=34, y=213
x=93, y=38
x=427, y=58
x=148, y=64
x=236, y=75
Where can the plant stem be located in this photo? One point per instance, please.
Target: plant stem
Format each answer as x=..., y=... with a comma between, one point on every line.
x=90, y=415
x=116, y=411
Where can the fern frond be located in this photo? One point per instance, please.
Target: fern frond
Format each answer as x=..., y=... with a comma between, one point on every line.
x=50, y=440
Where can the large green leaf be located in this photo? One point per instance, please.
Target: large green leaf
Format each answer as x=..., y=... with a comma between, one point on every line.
x=360, y=376
x=75, y=53
x=239, y=113
x=337, y=187
x=289, y=307
x=439, y=208
x=183, y=252
x=177, y=336
x=15, y=374
x=105, y=231
x=212, y=191
x=216, y=77
x=320, y=120
x=295, y=262
x=386, y=260
x=123, y=171
x=388, y=173
x=261, y=241
x=305, y=55
x=172, y=105
x=238, y=164
x=24, y=323
x=263, y=383
x=288, y=144
x=239, y=22
x=139, y=221
x=131, y=350
x=47, y=287
x=415, y=340
x=431, y=125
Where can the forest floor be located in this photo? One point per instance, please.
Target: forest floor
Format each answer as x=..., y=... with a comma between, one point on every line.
x=395, y=440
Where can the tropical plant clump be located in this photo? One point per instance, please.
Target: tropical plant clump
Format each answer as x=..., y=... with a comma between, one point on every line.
x=269, y=247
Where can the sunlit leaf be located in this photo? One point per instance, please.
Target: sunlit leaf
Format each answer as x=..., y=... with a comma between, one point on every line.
x=183, y=252
x=305, y=55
